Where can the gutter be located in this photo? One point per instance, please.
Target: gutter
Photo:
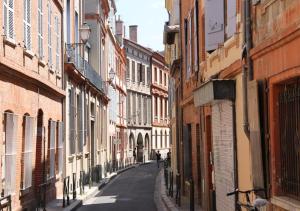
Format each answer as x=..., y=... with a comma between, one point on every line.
x=247, y=66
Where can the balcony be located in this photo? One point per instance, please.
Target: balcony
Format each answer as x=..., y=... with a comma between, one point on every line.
x=73, y=57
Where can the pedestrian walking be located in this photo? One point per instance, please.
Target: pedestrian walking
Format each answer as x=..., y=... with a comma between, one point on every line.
x=134, y=156
x=158, y=157
x=169, y=158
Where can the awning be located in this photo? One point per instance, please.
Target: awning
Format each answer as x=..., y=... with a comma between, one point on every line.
x=214, y=90
x=169, y=33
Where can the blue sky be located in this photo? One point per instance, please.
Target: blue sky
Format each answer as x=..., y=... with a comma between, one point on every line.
x=149, y=15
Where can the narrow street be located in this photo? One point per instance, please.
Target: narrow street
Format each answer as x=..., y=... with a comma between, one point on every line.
x=132, y=190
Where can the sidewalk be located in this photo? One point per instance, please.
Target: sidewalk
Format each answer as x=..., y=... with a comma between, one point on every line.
x=56, y=205
x=169, y=202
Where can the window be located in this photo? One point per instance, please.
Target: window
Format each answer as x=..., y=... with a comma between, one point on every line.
x=28, y=125
x=49, y=35
x=165, y=79
x=40, y=29
x=139, y=108
x=127, y=68
x=52, y=128
x=166, y=139
x=133, y=71
x=155, y=107
x=161, y=139
x=145, y=112
x=11, y=128
x=134, y=113
x=8, y=18
x=166, y=109
x=129, y=107
x=60, y=145
x=148, y=76
x=71, y=121
x=160, y=77
x=57, y=36
x=161, y=108
x=155, y=74
x=143, y=69
x=196, y=32
x=186, y=45
x=80, y=131
x=189, y=54
x=27, y=24
x=156, y=139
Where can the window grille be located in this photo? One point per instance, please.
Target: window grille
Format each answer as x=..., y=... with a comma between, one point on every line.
x=8, y=18
x=27, y=152
x=60, y=145
x=40, y=29
x=11, y=128
x=52, y=149
x=27, y=24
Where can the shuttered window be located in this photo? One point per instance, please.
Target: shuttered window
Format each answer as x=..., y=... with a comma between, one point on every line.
x=140, y=108
x=11, y=128
x=60, y=145
x=231, y=18
x=127, y=69
x=133, y=71
x=190, y=56
x=57, y=39
x=149, y=111
x=196, y=31
x=40, y=29
x=148, y=76
x=8, y=18
x=134, y=107
x=79, y=124
x=128, y=107
x=52, y=129
x=214, y=24
x=50, y=61
x=71, y=122
x=27, y=152
x=145, y=112
x=27, y=24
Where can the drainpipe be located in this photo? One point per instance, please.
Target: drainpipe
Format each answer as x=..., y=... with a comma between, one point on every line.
x=247, y=69
x=235, y=157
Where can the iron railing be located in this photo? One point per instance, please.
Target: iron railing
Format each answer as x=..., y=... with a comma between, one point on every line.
x=289, y=120
x=73, y=56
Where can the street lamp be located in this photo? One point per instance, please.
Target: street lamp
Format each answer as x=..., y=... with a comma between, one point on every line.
x=85, y=32
x=111, y=75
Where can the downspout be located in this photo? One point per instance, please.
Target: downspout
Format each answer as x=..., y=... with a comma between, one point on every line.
x=235, y=157
x=247, y=68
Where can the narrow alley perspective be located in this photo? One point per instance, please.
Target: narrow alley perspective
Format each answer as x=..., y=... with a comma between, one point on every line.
x=150, y=105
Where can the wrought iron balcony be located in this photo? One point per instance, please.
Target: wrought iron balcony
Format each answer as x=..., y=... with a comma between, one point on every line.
x=73, y=56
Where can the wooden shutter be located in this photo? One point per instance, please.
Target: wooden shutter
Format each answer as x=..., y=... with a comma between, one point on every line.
x=231, y=18
x=80, y=129
x=27, y=152
x=57, y=36
x=255, y=135
x=214, y=24
x=49, y=35
x=52, y=149
x=40, y=29
x=71, y=122
x=11, y=128
x=60, y=145
x=27, y=24
x=8, y=18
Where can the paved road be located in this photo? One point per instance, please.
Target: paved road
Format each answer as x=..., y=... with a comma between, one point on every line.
x=132, y=190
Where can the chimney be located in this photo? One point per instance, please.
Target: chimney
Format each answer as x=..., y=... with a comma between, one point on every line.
x=120, y=30
x=133, y=33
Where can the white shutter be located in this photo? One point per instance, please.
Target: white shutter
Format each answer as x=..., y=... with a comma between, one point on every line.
x=11, y=128
x=52, y=149
x=40, y=29
x=8, y=18
x=49, y=35
x=57, y=36
x=214, y=24
x=27, y=24
x=27, y=152
x=231, y=18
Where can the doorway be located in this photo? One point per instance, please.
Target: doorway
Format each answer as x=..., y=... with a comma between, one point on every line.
x=140, y=148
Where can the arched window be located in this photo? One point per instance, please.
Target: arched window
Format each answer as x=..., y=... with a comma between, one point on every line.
x=166, y=139
x=155, y=139
x=161, y=139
